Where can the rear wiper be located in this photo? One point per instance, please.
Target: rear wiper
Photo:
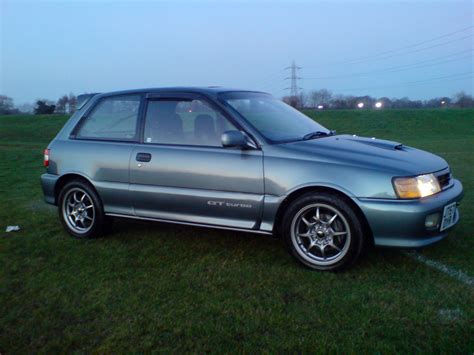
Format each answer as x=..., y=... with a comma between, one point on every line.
x=318, y=134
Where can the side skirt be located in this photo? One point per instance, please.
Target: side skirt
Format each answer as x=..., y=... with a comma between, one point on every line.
x=188, y=223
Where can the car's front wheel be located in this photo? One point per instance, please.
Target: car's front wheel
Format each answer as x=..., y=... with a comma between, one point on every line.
x=80, y=210
x=322, y=232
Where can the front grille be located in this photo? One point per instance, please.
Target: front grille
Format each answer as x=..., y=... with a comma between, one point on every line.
x=444, y=180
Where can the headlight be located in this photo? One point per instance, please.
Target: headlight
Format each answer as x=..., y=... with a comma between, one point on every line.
x=416, y=187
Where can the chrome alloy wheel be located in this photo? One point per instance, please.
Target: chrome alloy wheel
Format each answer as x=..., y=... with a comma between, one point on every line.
x=320, y=234
x=78, y=210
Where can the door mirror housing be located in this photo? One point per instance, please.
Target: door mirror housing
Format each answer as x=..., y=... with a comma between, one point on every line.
x=235, y=139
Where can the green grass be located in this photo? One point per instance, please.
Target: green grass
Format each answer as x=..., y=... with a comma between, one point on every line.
x=174, y=288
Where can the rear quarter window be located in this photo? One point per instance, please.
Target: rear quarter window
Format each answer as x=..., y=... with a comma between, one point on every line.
x=113, y=118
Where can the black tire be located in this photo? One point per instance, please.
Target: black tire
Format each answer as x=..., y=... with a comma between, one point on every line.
x=70, y=211
x=343, y=238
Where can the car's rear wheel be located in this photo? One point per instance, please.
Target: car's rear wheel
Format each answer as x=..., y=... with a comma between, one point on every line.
x=80, y=210
x=322, y=232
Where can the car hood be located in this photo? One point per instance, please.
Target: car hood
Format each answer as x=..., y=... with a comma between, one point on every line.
x=371, y=153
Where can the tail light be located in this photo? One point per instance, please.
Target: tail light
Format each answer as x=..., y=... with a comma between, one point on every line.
x=46, y=158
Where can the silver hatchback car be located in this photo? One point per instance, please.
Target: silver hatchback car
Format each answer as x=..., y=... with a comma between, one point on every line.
x=243, y=160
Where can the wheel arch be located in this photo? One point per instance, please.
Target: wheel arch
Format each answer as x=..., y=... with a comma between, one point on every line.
x=295, y=194
x=64, y=179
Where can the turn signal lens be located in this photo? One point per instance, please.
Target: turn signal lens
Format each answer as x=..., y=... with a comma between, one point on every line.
x=416, y=187
x=46, y=158
x=432, y=221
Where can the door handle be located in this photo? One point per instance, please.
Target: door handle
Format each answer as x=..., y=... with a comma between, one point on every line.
x=143, y=157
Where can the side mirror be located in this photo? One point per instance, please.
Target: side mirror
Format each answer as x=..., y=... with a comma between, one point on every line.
x=235, y=139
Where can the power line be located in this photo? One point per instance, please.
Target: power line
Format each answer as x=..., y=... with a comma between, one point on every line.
x=270, y=79
x=457, y=76
x=420, y=43
x=468, y=74
x=382, y=55
x=398, y=68
x=294, y=79
x=418, y=66
x=415, y=51
x=433, y=59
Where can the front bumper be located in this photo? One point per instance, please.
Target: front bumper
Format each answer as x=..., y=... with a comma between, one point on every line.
x=401, y=223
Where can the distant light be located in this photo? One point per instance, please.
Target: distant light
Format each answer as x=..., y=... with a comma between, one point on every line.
x=360, y=105
x=378, y=104
x=320, y=107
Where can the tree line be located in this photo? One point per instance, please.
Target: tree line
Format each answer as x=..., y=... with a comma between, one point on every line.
x=318, y=99
x=66, y=104
x=325, y=99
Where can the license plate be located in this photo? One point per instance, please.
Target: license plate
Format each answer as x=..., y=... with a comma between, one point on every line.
x=449, y=216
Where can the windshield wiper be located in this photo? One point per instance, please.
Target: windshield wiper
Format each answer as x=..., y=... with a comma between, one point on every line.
x=318, y=134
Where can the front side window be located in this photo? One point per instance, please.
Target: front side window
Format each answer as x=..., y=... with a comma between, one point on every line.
x=186, y=122
x=274, y=119
x=114, y=118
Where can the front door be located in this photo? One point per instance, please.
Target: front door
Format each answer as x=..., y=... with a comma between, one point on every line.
x=181, y=172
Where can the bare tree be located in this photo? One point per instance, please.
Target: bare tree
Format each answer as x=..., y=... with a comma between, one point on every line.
x=340, y=102
x=26, y=108
x=6, y=105
x=464, y=100
x=61, y=105
x=386, y=102
x=437, y=102
x=72, y=103
x=302, y=100
x=320, y=97
x=295, y=101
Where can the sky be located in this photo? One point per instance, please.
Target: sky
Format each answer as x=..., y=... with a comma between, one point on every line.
x=420, y=49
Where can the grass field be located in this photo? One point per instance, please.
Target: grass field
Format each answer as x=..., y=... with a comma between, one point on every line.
x=176, y=288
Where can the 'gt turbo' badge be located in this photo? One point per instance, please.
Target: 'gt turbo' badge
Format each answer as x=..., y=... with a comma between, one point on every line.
x=229, y=204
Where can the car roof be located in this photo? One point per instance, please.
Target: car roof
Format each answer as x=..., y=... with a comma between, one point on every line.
x=207, y=90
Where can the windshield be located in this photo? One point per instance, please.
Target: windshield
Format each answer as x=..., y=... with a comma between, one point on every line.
x=275, y=120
